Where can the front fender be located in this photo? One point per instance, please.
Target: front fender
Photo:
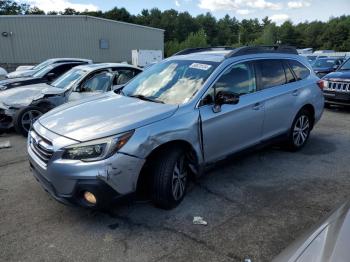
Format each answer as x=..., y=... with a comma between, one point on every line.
x=183, y=126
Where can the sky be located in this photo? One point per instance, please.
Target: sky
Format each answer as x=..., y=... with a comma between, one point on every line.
x=278, y=10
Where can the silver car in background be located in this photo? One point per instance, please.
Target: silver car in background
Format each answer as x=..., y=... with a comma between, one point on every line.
x=3, y=73
x=20, y=107
x=34, y=69
x=172, y=121
x=327, y=241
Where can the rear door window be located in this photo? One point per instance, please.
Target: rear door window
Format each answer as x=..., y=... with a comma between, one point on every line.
x=271, y=73
x=300, y=71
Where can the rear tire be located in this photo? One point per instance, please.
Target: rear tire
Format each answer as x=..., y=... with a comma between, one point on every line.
x=170, y=175
x=300, y=131
x=25, y=118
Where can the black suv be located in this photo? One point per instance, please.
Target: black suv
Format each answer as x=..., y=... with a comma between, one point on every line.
x=336, y=86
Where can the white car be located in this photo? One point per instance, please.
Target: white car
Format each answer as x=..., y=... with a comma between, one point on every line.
x=21, y=106
x=33, y=70
x=3, y=73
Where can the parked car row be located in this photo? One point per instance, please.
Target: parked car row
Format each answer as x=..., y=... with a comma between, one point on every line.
x=34, y=96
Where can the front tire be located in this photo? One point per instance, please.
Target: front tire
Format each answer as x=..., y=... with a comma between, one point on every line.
x=25, y=118
x=300, y=130
x=170, y=177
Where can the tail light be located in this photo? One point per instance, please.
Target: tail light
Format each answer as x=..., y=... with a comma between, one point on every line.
x=322, y=84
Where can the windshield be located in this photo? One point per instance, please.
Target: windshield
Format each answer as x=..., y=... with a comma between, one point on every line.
x=43, y=71
x=43, y=64
x=324, y=63
x=170, y=82
x=69, y=78
x=346, y=65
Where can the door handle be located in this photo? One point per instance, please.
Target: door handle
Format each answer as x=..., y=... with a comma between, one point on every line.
x=257, y=106
x=295, y=92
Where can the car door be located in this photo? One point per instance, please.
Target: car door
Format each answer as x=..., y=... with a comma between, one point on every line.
x=235, y=126
x=280, y=90
x=93, y=85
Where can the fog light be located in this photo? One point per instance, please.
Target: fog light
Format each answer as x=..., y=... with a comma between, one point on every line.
x=90, y=197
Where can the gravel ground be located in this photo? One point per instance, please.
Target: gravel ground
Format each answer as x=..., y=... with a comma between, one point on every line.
x=255, y=206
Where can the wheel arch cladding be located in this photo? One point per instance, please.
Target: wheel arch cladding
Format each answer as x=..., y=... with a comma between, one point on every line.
x=310, y=108
x=45, y=105
x=144, y=174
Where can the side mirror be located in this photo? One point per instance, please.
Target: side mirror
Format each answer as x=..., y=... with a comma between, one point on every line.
x=335, y=67
x=224, y=97
x=51, y=76
x=117, y=88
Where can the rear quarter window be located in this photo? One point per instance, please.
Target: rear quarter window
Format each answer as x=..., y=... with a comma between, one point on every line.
x=271, y=73
x=300, y=71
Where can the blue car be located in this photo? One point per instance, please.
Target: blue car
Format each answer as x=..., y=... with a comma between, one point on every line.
x=323, y=66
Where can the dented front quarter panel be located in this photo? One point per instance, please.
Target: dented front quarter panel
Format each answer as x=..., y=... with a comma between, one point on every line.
x=182, y=126
x=121, y=172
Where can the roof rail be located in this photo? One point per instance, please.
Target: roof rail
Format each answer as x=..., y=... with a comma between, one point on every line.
x=248, y=50
x=202, y=49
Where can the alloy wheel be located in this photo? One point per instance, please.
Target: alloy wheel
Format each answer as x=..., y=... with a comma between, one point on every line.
x=179, y=179
x=301, y=130
x=29, y=117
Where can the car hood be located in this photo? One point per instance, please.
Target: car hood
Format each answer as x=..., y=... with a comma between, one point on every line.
x=339, y=75
x=24, y=95
x=22, y=73
x=103, y=115
x=13, y=80
x=328, y=241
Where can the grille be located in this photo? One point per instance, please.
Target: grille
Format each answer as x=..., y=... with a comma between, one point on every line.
x=41, y=147
x=338, y=87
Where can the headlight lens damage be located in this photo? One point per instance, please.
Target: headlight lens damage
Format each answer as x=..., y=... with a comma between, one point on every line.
x=97, y=149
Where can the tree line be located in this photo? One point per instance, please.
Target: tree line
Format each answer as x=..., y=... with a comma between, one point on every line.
x=182, y=30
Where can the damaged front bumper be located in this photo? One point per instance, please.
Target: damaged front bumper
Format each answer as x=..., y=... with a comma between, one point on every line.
x=7, y=118
x=67, y=180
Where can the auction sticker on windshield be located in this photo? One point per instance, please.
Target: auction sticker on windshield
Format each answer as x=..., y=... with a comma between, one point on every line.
x=200, y=66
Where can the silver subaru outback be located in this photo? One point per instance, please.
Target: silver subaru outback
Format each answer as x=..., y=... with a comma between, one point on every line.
x=171, y=122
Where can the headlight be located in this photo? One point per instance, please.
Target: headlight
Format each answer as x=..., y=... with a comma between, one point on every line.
x=97, y=149
x=325, y=83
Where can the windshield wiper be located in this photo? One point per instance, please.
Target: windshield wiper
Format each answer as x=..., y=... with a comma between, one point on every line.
x=142, y=97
